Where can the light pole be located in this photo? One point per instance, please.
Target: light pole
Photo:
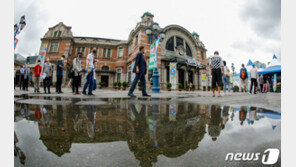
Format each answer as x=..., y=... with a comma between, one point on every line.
x=158, y=33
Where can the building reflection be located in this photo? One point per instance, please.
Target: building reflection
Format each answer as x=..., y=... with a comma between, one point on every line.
x=150, y=129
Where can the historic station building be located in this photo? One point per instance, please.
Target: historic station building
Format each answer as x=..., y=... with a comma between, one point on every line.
x=115, y=57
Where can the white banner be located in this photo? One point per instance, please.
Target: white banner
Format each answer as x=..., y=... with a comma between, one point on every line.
x=173, y=79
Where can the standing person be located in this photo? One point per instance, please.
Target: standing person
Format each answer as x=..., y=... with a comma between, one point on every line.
x=26, y=78
x=254, y=78
x=60, y=70
x=47, y=71
x=95, y=78
x=225, y=77
x=77, y=71
x=90, y=73
x=244, y=78
x=231, y=80
x=37, y=70
x=216, y=70
x=261, y=81
x=22, y=73
x=140, y=69
x=14, y=77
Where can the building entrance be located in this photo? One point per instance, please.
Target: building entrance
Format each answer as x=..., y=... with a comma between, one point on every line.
x=105, y=80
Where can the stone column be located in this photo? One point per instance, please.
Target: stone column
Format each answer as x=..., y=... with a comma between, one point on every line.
x=195, y=79
x=186, y=78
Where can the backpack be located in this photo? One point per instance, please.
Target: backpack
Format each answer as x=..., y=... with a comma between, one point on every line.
x=243, y=74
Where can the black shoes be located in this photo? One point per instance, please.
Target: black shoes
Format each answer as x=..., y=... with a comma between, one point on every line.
x=84, y=93
x=146, y=95
x=90, y=94
x=131, y=95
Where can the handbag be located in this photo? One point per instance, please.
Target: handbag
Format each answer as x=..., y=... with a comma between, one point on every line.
x=71, y=74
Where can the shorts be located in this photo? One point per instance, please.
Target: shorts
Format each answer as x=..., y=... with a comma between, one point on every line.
x=244, y=83
x=216, y=78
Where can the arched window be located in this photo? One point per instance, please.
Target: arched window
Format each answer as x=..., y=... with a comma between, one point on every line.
x=170, y=44
x=179, y=41
x=105, y=68
x=188, y=50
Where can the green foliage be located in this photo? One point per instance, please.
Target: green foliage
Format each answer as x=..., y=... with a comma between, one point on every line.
x=193, y=86
x=180, y=85
x=124, y=84
x=119, y=84
x=115, y=84
x=235, y=89
x=169, y=85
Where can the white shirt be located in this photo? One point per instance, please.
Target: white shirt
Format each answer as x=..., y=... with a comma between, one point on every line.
x=225, y=70
x=254, y=73
x=90, y=58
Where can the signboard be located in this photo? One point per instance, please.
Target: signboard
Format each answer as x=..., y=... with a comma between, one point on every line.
x=133, y=75
x=152, y=130
x=153, y=55
x=172, y=112
x=173, y=79
x=274, y=83
x=203, y=77
x=236, y=79
x=42, y=53
x=15, y=42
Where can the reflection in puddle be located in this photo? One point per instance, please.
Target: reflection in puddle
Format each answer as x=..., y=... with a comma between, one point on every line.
x=127, y=133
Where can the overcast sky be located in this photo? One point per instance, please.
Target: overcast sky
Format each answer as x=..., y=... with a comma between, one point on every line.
x=239, y=30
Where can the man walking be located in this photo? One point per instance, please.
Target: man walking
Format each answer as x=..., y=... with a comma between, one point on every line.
x=254, y=78
x=140, y=69
x=244, y=78
x=216, y=70
x=225, y=77
x=261, y=82
x=60, y=71
x=90, y=73
x=47, y=71
x=37, y=70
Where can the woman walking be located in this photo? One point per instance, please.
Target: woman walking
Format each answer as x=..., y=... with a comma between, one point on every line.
x=77, y=72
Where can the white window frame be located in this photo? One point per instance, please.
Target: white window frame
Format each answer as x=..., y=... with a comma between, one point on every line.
x=57, y=47
x=120, y=56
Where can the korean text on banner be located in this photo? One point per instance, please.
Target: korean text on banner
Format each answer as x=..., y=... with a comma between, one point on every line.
x=153, y=55
x=173, y=80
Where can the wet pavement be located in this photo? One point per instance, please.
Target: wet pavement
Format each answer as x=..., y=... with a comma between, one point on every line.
x=140, y=132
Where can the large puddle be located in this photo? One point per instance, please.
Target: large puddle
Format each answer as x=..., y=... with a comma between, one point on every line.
x=142, y=132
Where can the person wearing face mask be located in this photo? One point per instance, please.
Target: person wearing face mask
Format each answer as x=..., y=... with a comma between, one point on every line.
x=90, y=73
x=60, y=70
x=47, y=71
x=37, y=70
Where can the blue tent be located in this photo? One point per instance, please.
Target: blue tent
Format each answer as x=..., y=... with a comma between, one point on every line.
x=271, y=69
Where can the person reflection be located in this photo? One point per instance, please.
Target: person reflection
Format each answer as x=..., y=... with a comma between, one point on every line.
x=18, y=152
x=140, y=119
x=60, y=117
x=242, y=114
x=215, y=124
x=91, y=119
x=252, y=116
x=225, y=116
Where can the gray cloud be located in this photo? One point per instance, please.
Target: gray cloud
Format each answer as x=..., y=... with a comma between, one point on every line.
x=36, y=18
x=251, y=45
x=264, y=16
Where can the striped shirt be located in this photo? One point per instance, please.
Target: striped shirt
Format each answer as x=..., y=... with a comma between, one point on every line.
x=216, y=62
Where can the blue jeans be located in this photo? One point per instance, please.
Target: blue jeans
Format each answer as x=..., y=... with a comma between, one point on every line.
x=89, y=82
x=138, y=77
x=226, y=82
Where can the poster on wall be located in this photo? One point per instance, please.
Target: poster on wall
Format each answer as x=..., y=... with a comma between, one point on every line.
x=153, y=55
x=203, y=77
x=173, y=80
